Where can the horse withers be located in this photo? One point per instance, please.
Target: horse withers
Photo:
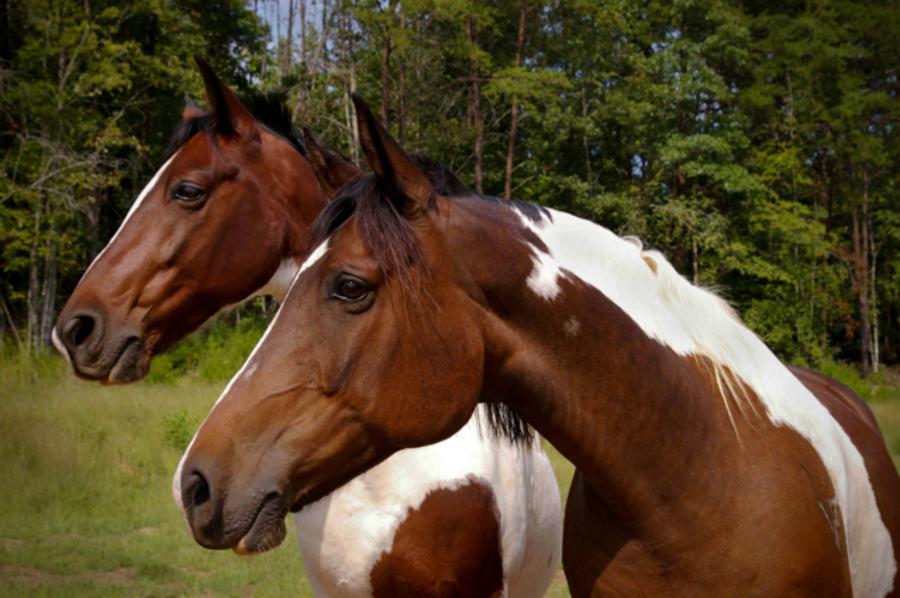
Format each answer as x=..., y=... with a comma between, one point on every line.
x=227, y=217
x=704, y=465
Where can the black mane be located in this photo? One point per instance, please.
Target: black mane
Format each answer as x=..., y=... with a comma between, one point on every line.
x=441, y=178
x=269, y=108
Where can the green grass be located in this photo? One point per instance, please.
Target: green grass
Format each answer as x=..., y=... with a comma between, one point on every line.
x=86, y=507
x=888, y=415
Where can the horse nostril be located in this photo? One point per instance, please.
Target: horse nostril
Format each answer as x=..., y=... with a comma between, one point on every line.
x=78, y=330
x=198, y=489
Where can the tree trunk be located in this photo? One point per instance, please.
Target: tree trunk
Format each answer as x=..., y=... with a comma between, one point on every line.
x=401, y=89
x=876, y=351
x=93, y=225
x=48, y=308
x=860, y=267
x=10, y=321
x=349, y=83
x=278, y=27
x=386, y=48
x=695, y=260
x=289, y=42
x=584, y=142
x=868, y=288
x=475, y=104
x=514, y=110
x=34, y=285
x=303, y=31
x=5, y=42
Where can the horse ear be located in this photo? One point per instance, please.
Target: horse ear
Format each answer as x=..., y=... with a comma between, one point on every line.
x=390, y=163
x=191, y=109
x=229, y=115
x=332, y=169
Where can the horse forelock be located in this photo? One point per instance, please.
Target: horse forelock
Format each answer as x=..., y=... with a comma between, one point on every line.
x=390, y=240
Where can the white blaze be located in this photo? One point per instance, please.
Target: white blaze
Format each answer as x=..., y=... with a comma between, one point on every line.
x=248, y=368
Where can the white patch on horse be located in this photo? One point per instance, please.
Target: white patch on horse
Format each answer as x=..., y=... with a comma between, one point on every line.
x=344, y=535
x=247, y=369
x=544, y=278
x=572, y=327
x=693, y=321
x=314, y=257
x=57, y=342
x=134, y=207
x=278, y=285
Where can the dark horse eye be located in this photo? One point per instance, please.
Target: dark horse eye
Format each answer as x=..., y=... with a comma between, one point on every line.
x=187, y=193
x=350, y=289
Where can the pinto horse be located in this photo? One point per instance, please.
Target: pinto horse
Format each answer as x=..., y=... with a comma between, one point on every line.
x=705, y=466
x=225, y=218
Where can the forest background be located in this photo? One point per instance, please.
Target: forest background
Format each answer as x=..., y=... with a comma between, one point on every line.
x=754, y=143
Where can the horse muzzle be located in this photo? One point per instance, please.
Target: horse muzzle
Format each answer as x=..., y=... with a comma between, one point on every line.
x=95, y=352
x=254, y=525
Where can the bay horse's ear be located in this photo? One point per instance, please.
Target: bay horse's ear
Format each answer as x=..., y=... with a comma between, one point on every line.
x=229, y=115
x=191, y=109
x=404, y=180
x=332, y=169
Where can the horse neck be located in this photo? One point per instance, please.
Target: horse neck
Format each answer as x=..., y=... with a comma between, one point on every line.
x=584, y=373
x=294, y=185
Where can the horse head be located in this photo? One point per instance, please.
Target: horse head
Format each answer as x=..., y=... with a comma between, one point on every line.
x=211, y=228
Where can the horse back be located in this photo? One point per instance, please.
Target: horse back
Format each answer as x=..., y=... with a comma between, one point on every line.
x=858, y=421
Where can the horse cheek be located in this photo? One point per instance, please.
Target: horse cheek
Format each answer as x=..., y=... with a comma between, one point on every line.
x=462, y=377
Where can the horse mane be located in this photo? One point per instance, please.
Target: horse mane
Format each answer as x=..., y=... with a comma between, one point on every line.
x=690, y=319
x=391, y=241
x=692, y=300
x=440, y=176
x=270, y=110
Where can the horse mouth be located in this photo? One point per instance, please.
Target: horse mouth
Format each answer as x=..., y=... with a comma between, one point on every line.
x=267, y=530
x=127, y=364
x=123, y=366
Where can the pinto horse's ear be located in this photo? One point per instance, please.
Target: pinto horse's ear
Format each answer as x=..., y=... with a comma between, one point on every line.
x=332, y=169
x=391, y=165
x=229, y=115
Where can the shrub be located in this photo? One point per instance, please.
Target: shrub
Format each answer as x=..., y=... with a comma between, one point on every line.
x=214, y=354
x=179, y=429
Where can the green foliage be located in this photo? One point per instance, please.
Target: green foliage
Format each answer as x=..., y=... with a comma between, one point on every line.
x=738, y=138
x=883, y=386
x=213, y=354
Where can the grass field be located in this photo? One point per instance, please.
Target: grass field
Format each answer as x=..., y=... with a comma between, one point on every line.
x=86, y=507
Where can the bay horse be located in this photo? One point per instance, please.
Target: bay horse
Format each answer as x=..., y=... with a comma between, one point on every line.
x=705, y=466
x=227, y=217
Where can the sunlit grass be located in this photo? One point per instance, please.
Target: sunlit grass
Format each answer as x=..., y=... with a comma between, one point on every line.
x=86, y=507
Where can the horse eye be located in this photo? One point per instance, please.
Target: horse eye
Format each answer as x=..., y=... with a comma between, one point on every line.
x=187, y=193
x=350, y=289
